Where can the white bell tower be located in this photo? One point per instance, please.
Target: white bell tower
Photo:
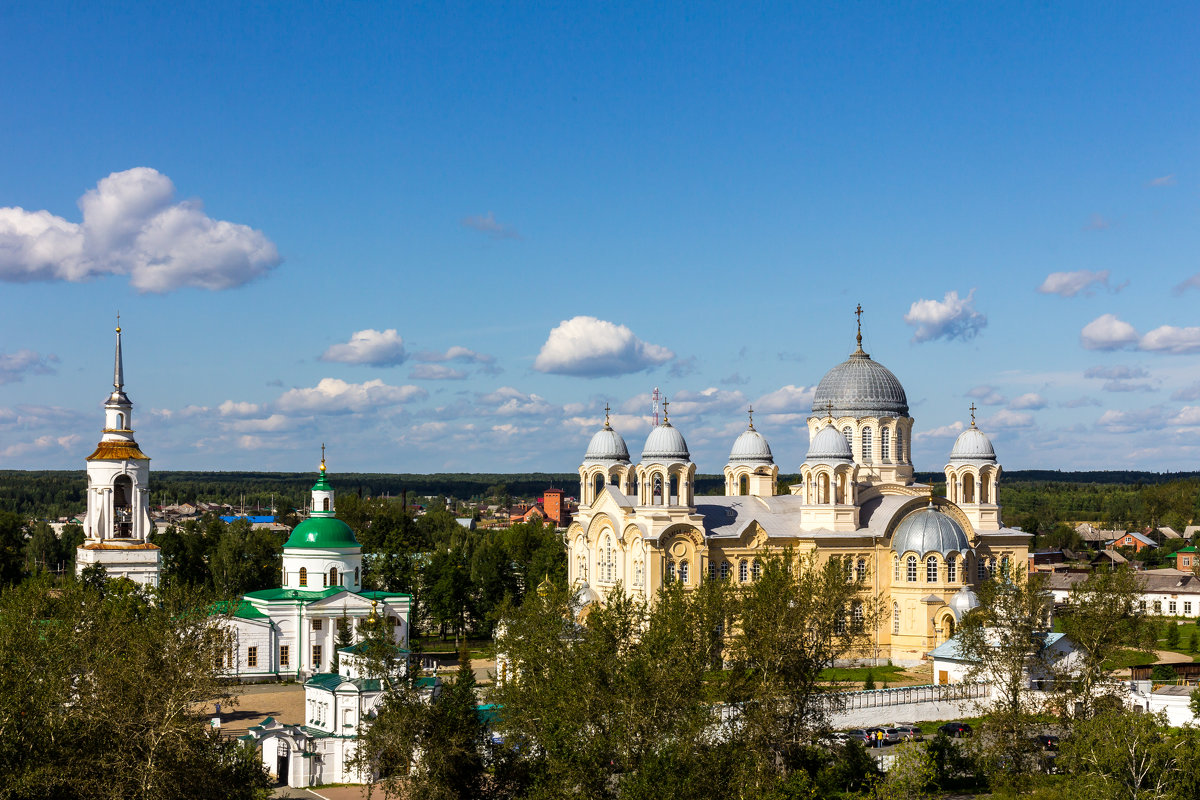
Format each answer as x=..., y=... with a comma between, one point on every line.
x=117, y=521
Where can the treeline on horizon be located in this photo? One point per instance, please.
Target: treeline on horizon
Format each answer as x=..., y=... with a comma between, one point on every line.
x=1035, y=500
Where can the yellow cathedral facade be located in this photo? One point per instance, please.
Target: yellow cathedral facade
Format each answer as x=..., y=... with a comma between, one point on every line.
x=641, y=524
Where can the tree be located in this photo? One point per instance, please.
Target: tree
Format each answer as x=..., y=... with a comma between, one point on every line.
x=448, y=590
x=342, y=639
x=104, y=682
x=1172, y=635
x=1103, y=617
x=1119, y=754
x=795, y=621
x=1004, y=640
x=43, y=551
x=12, y=547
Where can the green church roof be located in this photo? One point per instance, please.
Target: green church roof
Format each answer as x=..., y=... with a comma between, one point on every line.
x=322, y=532
x=322, y=485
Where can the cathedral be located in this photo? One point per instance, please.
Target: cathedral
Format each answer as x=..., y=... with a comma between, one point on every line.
x=640, y=524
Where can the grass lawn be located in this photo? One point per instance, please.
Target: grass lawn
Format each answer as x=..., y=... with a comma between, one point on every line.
x=476, y=648
x=859, y=674
x=1186, y=631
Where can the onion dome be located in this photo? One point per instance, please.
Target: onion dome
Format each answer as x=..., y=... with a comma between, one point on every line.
x=963, y=601
x=322, y=532
x=829, y=445
x=973, y=444
x=665, y=443
x=860, y=387
x=751, y=446
x=928, y=530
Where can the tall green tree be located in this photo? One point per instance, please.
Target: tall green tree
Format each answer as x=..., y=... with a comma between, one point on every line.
x=1102, y=617
x=12, y=547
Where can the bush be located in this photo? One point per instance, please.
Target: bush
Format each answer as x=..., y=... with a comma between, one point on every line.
x=1193, y=643
x=1163, y=673
x=1172, y=634
x=869, y=683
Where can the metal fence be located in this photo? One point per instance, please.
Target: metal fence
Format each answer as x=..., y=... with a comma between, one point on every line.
x=906, y=695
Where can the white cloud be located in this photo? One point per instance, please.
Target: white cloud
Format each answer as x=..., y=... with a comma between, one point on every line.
x=376, y=348
x=1191, y=283
x=786, y=399
x=1169, y=339
x=590, y=347
x=271, y=424
x=1030, y=400
x=1119, y=377
x=41, y=444
x=508, y=402
x=1108, y=332
x=334, y=396
x=1005, y=419
x=455, y=353
x=1188, y=416
x=950, y=318
x=1131, y=421
x=436, y=372
x=1187, y=393
x=1069, y=284
x=231, y=408
x=950, y=431
x=132, y=226
x=692, y=404
x=987, y=396
x=15, y=366
x=488, y=224
x=1080, y=402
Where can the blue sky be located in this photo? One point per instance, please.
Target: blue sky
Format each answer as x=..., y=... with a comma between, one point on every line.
x=442, y=238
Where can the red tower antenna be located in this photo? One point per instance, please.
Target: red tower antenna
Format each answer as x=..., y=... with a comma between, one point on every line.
x=654, y=396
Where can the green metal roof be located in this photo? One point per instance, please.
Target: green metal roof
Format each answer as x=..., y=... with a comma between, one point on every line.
x=322, y=485
x=294, y=594
x=383, y=595
x=330, y=681
x=241, y=610
x=322, y=532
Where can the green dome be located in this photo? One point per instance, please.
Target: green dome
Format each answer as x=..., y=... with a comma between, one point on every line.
x=322, y=532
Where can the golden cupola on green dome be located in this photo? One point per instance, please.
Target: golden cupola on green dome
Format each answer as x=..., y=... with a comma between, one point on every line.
x=322, y=529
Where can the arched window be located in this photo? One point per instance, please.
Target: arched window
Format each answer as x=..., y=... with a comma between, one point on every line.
x=333, y=576
x=120, y=422
x=968, y=488
x=931, y=569
x=895, y=568
x=848, y=432
x=304, y=576
x=674, y=484
x=900, y=446
x=756, y=569
x=712, y=570
x=743, y=570
x=885, y=445
x=744, y=485
x=952, y=569
x=983, y=488
x=610, y=562
x=1004, y=567
x=325, y=504
x=683, y=571
x=866, y=446
x=597, y=485
x=825, y=498
x=670, y=571
x=658, y=490
x=356, y=576
x=860, y=570
x=912, y=569
x=725, y=570
x=856, y=616
x=981, y=570
x=895, y=618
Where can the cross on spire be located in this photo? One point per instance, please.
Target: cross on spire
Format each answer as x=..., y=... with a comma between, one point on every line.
x=858, y=313
x=606, y=423
x=750, y=413
x=322, y=456
x=118, y=322
x=972, y=414
x=829, y=409
x=665, y=418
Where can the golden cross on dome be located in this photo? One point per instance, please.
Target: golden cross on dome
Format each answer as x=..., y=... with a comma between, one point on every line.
x=750, y=412
x=606, y=415
x=858, y=313
x=972, y=414
x=322, y=456
x=829, y=409
x=118, y=322
x=665, y=418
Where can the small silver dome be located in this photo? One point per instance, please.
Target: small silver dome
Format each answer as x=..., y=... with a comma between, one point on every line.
x=829, y=445
x=928, y=530
x=751, y=446
x=973, y=445
x=860, y=387
x=665, y=443
x=607, y=445
x=963, y=601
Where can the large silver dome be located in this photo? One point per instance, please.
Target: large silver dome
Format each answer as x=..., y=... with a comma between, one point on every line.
x=973, y=445
x=751, y=446
x=665, y=443
x=829, y=445
x=929, y=531
x=860, y=387
x=607, y=445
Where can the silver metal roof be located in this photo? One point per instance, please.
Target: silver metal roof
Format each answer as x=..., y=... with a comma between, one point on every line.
x=665, y=443
x=607, y=445
x=963, y=601
x=928, y=530
x=973, y=445
x=751, y=446
x=829, y=445
x=860, y=387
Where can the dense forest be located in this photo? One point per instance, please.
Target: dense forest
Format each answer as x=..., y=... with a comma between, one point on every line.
x=1035, y=500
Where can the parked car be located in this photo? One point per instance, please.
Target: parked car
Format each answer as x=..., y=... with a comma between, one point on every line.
x=859, y=735
x=956, y=730
x=909, y=733
x=893, y=735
